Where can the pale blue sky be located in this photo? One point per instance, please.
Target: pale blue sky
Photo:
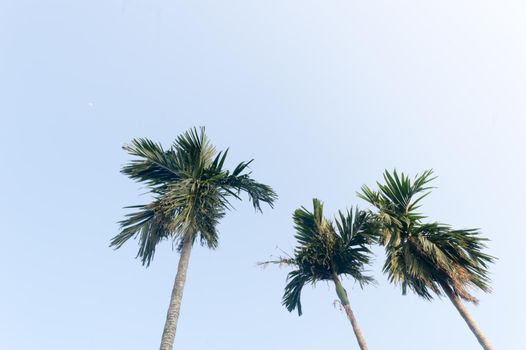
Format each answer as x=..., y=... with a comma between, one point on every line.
x=323, y=94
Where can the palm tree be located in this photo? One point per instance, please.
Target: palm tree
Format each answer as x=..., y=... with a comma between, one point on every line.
x=428, y=258
x=191, y=193
x=325, y=251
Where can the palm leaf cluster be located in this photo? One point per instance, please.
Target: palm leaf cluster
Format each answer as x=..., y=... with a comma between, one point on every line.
x=191, y=192
x=425, y=257
x=326, y=249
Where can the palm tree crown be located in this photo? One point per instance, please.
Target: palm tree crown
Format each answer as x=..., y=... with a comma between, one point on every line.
x=326, y=250
x=191, y=192
x=425, y=257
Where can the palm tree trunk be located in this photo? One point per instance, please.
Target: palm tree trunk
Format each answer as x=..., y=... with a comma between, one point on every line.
x=170, y=326
x=481, y=337
x=344, y=299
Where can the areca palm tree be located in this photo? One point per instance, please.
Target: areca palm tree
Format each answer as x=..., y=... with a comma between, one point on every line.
x=191, y=193
x=428, y=258
x=325, y=251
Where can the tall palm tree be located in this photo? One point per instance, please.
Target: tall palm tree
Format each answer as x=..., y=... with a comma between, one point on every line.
x=428, y=258
x=191, y=193
x=325, y=251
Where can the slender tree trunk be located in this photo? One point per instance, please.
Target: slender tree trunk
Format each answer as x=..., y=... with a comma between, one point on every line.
x=481, y=337
x=170, y=326
x=342, y=295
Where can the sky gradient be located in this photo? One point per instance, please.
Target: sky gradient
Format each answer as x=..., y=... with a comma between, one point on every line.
x=324, y=95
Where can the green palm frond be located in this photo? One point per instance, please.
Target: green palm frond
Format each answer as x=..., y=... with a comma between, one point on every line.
x=149, y=224
x=357, y=227
x=296, y=280
x=258, y=193
x=153, y=166
x=194, y=152
x=396, y=196
x=425, y=257
x=191, y=192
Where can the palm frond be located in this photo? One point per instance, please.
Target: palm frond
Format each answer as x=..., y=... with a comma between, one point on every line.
x=154, y=166
x=149, y=225
x=357, y=227
x=296, y=280
x=194, y=152
x=258, y=193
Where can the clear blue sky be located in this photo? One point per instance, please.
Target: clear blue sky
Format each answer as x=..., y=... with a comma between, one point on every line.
x=323, y=94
